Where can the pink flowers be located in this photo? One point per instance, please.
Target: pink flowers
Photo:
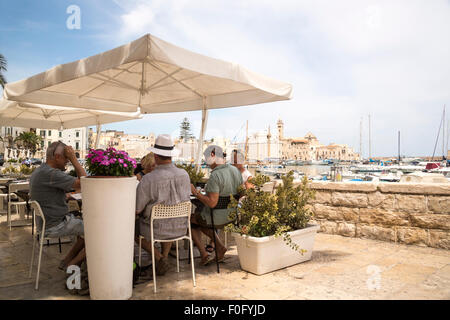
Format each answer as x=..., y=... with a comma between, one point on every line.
x=110, y=162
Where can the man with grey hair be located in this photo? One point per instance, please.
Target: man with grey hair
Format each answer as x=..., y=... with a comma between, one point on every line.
x=223, y=181
x=48, y=186
x=237, y=160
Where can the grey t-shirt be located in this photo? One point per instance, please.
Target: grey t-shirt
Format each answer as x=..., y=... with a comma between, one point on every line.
x=48, y=186
x=224, y=180
x=168, y=185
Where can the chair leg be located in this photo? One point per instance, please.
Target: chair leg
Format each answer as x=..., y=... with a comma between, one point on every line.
x=32, y=257
x=192, y=259
x=140, y=251
x=153, y=266
x=178, y=260
x=9, y=215
x=225, y=238
x=215, y=244
x=59, y=242
x=39, y=263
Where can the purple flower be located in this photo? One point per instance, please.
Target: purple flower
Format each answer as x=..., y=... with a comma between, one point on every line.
x=120, y=160
x=125, y=165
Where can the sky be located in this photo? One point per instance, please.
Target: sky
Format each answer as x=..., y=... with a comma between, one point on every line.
x=345, y=59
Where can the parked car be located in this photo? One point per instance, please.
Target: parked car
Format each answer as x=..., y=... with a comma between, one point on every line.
x=35, y=161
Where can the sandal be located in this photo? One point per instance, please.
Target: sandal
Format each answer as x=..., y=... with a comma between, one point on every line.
x=62, y=266
x=207, y=260
x=209, y=248
x=162, y=266
x=146, y=274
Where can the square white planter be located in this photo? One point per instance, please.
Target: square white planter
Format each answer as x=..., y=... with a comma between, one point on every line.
x=266, y=254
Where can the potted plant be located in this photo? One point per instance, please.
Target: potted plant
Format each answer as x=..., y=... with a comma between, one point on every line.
x=196, y=175
x=109, y=204
x=273, y=230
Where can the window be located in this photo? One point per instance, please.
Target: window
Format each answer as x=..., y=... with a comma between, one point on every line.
x=60, y=134
x=49, y=133
x=42, y=133
x=49, y=143
x=78, y=134
x=77, y=145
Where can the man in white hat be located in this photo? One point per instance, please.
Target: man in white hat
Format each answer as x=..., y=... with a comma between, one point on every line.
x=166, y=184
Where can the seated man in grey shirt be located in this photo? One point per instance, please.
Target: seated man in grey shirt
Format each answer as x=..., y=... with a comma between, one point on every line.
x=48, y=186
x=168, y=185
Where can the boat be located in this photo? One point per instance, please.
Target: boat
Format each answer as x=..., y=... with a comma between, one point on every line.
x=424, y=177
x=316, y=162
x=391, y=176
x=271, y=170
x=367, y=168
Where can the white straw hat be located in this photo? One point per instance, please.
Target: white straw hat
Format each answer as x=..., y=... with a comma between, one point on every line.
x=164, y=146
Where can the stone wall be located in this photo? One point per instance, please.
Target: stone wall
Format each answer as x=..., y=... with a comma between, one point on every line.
x=416, y=214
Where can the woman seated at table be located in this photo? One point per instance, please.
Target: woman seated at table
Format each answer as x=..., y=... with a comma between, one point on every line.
x=224, y=181
x=148, y=164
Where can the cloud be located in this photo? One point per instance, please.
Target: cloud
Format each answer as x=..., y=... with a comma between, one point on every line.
x=346, y=59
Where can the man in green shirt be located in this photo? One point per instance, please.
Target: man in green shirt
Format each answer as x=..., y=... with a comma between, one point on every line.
x=224, y=181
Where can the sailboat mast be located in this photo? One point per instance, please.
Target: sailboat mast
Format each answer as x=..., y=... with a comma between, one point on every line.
x=370, y=146
x=360, y=138
x=448, y=135
x=246, y=142
x=399, y=147
x=437, y=138
x=443, y=133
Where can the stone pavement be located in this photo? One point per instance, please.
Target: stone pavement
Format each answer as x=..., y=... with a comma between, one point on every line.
x=340, y=268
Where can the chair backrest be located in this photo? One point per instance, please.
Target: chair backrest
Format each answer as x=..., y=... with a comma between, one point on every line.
x=34, y=205
x=162, y=211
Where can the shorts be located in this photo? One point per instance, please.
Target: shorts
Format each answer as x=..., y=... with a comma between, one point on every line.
x=201, y=222
x=70, y=226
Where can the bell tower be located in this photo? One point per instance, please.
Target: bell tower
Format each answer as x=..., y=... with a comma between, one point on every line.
x=280, y=129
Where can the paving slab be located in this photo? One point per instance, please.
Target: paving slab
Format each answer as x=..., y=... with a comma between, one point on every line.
x=340, y=268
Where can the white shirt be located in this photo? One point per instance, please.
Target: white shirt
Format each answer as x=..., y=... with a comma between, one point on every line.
x=245, y=175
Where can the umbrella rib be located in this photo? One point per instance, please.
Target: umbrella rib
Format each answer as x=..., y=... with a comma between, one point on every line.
x=180, y=82
x=167, y=84
x=160, y=80
x=95, y=87
x=113, y=81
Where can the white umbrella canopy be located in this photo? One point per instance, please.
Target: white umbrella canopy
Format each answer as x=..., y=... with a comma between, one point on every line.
x=29, y=115
x=152, y=74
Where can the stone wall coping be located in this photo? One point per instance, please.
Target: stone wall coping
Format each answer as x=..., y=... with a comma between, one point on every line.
x=415, y=188
x=354, y=186
x=384, y=187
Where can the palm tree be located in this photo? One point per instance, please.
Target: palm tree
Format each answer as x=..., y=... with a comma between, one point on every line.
x=29, y=140
x=3, y=65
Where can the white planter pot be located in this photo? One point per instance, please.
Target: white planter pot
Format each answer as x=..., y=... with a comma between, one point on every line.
x=109, y=206
x=266, y=254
